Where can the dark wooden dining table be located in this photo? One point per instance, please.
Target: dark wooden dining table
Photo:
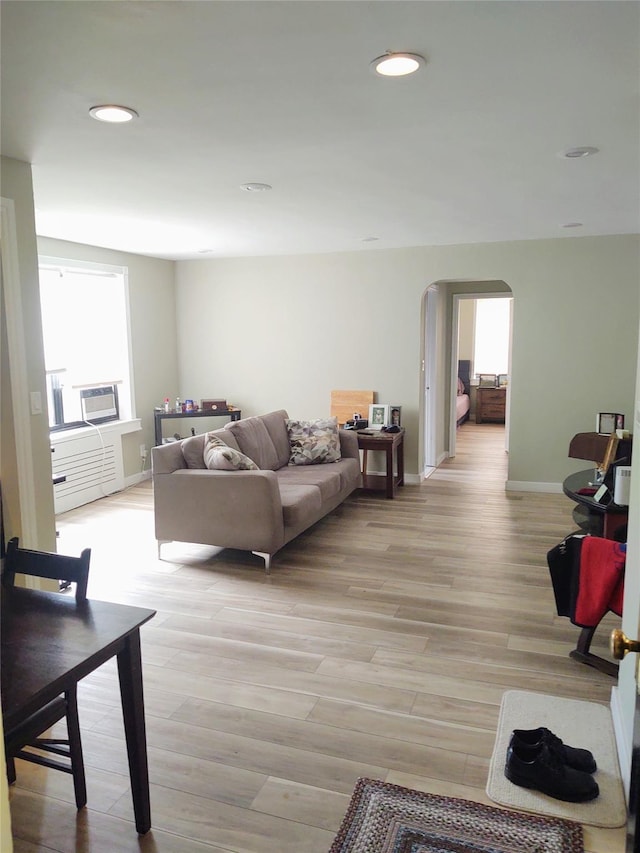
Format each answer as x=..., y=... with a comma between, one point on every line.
x=49, y=643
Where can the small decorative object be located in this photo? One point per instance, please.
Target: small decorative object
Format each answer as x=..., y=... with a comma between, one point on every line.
x=214, y=405
x=608, y=422
x=396, y=415
x=503, y=380
x=487, y=380
x=188, y=405
x=378, y=415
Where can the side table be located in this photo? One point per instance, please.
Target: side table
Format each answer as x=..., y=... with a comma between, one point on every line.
x=389, y=443
x=490, y=405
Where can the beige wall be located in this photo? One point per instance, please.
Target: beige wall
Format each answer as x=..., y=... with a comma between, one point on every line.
x=284, y=331
x=152, y=318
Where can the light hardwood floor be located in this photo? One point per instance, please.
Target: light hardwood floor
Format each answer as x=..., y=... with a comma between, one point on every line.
x=380, y=646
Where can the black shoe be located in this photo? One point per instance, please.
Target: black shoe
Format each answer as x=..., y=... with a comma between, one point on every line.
x=579, y=759
x=543, y=770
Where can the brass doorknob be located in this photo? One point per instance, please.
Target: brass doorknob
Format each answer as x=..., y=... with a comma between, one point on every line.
x=620, y=644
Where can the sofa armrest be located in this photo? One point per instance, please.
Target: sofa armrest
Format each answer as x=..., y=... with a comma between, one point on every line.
x=166, y=458
x=232, y=509
x=349, y=444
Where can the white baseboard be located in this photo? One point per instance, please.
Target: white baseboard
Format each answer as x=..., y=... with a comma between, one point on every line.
x=134, y=479
x=410, y=479
x=528, y=486
x=622, y=743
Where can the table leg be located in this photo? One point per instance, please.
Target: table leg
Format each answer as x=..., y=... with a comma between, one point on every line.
x=400, y=462
x=390, y=484
x=130, y=675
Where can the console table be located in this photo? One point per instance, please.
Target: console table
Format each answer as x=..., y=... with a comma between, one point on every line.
x=389, y=443
x=230, y=414
x=604, y=519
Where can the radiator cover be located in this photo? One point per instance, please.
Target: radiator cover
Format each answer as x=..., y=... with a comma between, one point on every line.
x=93, y=468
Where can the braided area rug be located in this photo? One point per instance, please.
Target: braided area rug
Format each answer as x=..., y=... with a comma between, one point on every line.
x=385, y=818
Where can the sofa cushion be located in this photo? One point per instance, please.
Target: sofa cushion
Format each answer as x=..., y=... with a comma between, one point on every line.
x=192, y=450
x=218, y=456
x=276, y=424
x=325, y=477
x=254, y=441
x=313, y=442
x=301, y=504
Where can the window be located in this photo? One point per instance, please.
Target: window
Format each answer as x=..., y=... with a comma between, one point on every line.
x=491, y=350
x=86, y=342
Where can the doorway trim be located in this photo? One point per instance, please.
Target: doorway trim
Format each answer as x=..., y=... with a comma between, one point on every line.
x=17, y=357
x=455, y=324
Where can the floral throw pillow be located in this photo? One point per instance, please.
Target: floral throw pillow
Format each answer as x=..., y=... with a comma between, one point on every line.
x=218, y=456
x=313, y=442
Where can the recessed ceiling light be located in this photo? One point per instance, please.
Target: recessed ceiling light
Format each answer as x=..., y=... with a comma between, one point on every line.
x=112, y=113
x=582, y=151
x=572, y=225
x=397, y=64
x=255, y=187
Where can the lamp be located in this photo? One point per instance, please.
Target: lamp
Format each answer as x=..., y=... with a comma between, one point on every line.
x=393, y=64
x=112, y=113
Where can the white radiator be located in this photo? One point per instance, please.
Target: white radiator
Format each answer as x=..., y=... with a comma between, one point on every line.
x=92, y=467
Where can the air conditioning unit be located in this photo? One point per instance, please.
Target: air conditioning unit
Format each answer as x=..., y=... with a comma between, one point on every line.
x=99, y=404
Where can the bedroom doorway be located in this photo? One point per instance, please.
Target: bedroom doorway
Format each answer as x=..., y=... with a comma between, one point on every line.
x=442, y=349
x=480, y=355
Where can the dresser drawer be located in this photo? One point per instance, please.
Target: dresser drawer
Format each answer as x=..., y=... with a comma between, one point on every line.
x=490, y=404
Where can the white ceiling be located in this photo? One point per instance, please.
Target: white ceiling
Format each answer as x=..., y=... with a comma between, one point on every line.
x=465, y=151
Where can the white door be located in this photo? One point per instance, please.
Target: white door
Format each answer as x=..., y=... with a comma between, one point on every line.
x=429, y=378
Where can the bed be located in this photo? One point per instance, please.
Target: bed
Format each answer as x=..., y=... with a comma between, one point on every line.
x=463, y=400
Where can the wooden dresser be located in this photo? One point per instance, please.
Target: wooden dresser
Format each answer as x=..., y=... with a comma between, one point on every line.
x=490, y=404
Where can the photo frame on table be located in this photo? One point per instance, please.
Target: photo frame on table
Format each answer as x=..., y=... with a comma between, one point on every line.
x=487, y=380
x=608, y=422
x=378, y=415
x=503, y=380
x=395, y=415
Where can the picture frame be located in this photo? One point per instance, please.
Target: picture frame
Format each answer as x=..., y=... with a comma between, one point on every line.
x=607, y=422
x=487, y=380
x=378, y=415
x=395, y=415
x=503, y=380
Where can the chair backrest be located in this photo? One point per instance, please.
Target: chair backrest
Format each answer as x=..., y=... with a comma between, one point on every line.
x=45, y=564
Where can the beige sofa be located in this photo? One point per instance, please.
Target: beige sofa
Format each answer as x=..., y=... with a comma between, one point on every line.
x=256, y=510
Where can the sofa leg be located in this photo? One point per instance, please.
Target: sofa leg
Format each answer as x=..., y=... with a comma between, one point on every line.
x=266, y=558
x=161, y=542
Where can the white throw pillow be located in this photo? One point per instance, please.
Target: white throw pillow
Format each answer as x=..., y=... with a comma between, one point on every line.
x=218, y=456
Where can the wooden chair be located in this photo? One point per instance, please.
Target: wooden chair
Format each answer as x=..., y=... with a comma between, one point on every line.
x=26, y=735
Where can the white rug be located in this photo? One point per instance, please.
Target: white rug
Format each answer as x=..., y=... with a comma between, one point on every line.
x=581, y=724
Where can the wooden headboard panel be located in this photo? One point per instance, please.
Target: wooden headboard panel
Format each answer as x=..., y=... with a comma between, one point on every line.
x=344, y=404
